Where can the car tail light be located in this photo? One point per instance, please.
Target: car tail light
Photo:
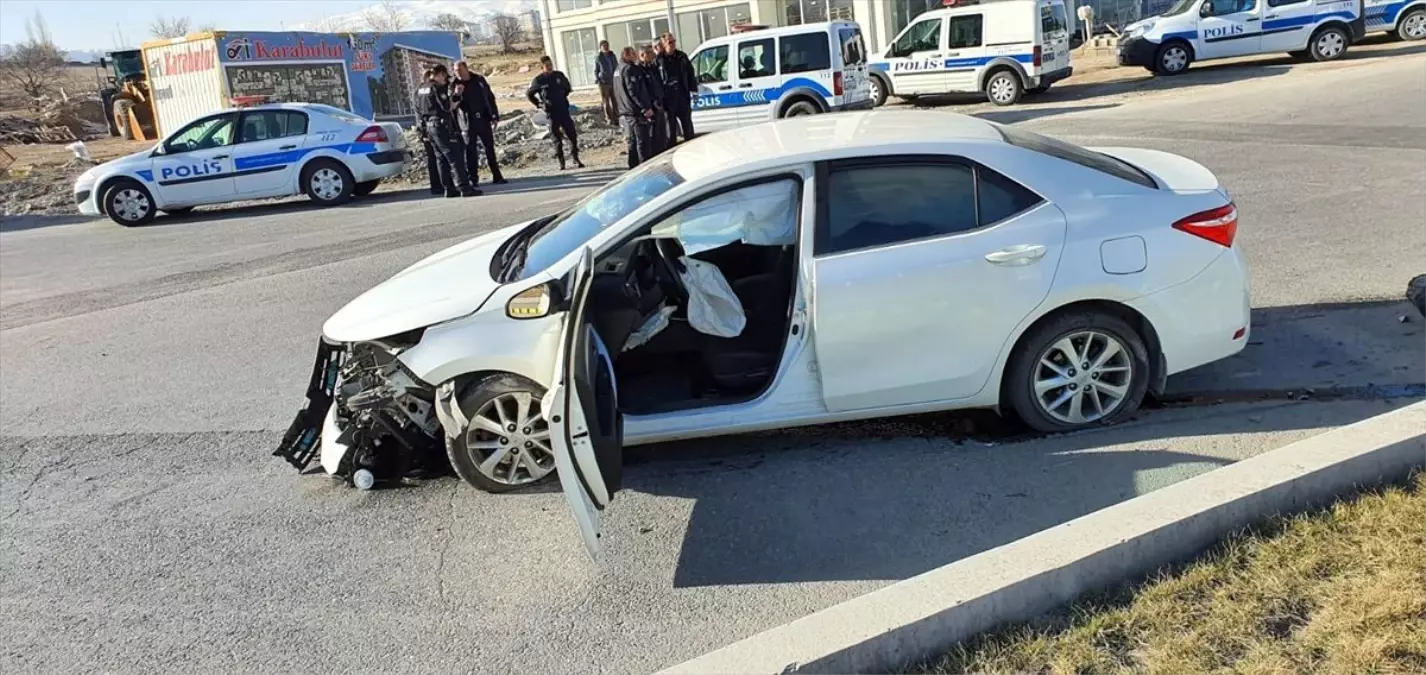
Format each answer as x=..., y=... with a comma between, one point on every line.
x=1218, y=225
x=1037, y=56
x=836, y=84
x=372, y=135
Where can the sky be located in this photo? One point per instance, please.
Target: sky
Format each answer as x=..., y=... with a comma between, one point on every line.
x=98, y=24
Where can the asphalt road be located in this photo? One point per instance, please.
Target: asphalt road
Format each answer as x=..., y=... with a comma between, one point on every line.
x=145, y=376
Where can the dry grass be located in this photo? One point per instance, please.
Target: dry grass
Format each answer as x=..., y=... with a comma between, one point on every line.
x=1341, y=590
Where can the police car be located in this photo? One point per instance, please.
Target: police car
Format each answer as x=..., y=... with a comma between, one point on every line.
x=1404, y=19
x=275, y=150
x=1198, y=30
x=1001, y=49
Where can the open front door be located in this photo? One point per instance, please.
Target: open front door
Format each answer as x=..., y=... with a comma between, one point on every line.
x=586, y=429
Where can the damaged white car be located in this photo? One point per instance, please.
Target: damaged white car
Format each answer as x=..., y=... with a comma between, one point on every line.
x=803, y=271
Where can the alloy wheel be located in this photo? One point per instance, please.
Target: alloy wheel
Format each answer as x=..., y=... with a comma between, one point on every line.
x=1414, y=28
x=130, y=204
x=875, y=91
x=1330, y=44
x=1175, y=59
x=1083, y=377
x=326, y=184
x=509, y=439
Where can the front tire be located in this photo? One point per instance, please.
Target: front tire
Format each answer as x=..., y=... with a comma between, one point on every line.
x=327, y=182
x=1173, y=59
x=1004, y=88
x=1076, y=371
x=506, y=444
x=364, y=189
x=1411, y=27
x=123, y=108
x=128, y=203
x=1328, y=44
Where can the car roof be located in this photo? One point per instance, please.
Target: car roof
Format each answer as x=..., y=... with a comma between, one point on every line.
x=813, y=138
x=779, y=31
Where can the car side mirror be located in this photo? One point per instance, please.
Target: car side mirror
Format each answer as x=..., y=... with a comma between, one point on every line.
x=1206, y=9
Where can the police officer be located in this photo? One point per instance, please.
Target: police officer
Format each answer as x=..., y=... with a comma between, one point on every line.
x=431, y=171
x=679, y=86
x=648, y=59
x=634, y=97
x=481, y=116
x=550, y=91
x=438, y=105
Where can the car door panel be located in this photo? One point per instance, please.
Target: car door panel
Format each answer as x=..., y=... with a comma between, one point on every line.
x=266, y=154
x=924, y=320
x=715, y=107
x=922, y=70
x=757, y=82
x=965, y=51
x=1287, y=24
x=1234, y=29
x=586, y=429
x=200, y=172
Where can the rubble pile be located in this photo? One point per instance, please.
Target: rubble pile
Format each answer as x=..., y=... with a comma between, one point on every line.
x=58, y=121
x=519, y=142
x=43, y=191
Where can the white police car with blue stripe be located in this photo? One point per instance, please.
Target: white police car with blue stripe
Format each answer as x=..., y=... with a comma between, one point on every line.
x=1404, y=19
x=259, y=152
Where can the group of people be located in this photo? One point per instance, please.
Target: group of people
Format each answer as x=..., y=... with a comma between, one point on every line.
x=650, y=93
x=456, y=114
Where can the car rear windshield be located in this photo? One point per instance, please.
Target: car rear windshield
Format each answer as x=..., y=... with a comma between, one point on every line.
x=1073, y=153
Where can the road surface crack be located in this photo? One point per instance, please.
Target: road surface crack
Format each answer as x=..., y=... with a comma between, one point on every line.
x=448, y=538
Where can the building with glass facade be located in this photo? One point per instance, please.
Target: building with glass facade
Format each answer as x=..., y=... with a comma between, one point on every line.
x=573, y=28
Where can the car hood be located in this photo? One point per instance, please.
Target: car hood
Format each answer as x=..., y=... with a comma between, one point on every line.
x=139, y=157
x=446, y=285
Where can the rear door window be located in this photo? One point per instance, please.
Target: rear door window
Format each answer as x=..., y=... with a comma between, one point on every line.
x=853, y=46
x=1069, y=152
x=965, y=31
x=805, y=53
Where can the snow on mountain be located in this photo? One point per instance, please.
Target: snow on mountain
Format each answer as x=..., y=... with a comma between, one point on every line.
x=419, y=13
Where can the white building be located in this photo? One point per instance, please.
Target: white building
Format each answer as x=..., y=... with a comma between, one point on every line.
x=573, y=28
x=530, y=22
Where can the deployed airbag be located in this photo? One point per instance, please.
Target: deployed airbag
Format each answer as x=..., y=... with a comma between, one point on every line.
x=652, y=326
x=760, y=215
x=713, y=309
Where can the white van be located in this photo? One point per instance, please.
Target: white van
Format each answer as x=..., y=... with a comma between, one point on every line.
x=763, y=75
x=1404, y=19
x=1001, y=49
x=1198, y=30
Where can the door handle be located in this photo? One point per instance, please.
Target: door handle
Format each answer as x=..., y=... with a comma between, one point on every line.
x=725, y=87
x=1250, y=19
x=1023, y=254
x=287, y=147
x=935, y=56
x=1271, y=16
x=745, y=85
x=220, y=156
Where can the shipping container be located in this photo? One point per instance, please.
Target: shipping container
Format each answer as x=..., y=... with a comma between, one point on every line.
x=374, y=75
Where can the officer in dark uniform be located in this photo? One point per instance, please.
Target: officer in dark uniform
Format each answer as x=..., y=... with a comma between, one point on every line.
x=481, y=116
x=437, y=108
x=431, y=171
x=634, y=98
x=648, y=59
x=550, y=92
x=679, y=85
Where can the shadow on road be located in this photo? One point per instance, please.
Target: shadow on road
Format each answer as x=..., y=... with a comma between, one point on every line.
x=1016, y=115
x=891, y=498
x=35, y=222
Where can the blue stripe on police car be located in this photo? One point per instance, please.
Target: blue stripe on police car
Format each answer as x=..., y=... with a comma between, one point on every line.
x=738, y=99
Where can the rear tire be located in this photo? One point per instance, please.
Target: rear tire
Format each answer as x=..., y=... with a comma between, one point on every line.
x=1004, y=88
x=128, y=203
x=364, y=189
x=1041, y=360
x=327, y=182
x=1328, y=44
x=878, y=92
x=1412, y=26
x=466, y=460
x=800, y=108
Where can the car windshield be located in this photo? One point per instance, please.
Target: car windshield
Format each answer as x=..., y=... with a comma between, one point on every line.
x=1179, y=7
x=608, y=205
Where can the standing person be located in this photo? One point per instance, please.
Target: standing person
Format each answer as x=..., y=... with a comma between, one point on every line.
x=680, y=86
x=481, y=116
x=550, y=91
x=648, y=60
x=432, y=172
x=438, y=106
x=635, y=98
x=604, y=65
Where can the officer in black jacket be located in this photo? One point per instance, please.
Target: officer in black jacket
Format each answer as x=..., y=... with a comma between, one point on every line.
x=550, y=92
x=680, y=84
x=634, y=97
x=437, y=107
x=481, y=116
x=432, y=172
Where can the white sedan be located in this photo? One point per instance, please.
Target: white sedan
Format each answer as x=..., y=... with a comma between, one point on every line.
x=804, y=271
x=265, y=151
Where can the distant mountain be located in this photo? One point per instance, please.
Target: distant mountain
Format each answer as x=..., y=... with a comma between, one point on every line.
x=421, y=12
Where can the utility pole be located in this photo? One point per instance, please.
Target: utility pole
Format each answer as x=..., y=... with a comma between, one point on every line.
x=673, y=22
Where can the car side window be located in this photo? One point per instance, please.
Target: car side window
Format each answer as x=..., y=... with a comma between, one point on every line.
x=1227, y=7
x=890, y=204
x=756, y=58
x=209, y=132
x=1001, y=198
x=805, y=53
x=710, y=65
x=922, y=36
x=267, y=125
x=965, y=31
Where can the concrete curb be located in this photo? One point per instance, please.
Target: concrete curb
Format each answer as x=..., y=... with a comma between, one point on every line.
x=928, y=613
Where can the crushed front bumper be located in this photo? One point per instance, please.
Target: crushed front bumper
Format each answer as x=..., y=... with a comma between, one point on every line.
x=302, y=441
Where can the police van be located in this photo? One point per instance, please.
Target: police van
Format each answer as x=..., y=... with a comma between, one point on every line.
x=1404, y=19
x=768, y=74
x=1001, y=49
x=1198, y=30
